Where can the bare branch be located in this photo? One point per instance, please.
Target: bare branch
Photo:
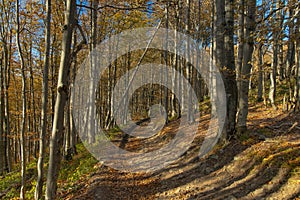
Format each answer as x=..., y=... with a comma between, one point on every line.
x=143, y=8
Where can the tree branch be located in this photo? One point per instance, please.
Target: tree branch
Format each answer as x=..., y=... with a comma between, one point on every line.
x=80, y=45
x=116, y=7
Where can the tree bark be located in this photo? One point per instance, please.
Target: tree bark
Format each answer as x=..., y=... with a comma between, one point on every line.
x=273, y=74
x=2, y=151
x=23, y=123
x=43, y=129
x=260, y=73
x=228, y=70
x=241, y=28
x=297, y=63
x=93, y=63
x=62, y=94
x=246, y=67
x=166, y=92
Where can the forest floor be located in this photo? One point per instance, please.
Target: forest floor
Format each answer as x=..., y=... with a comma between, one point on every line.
x=263, y=163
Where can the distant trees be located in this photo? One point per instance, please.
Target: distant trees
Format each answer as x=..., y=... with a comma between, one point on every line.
x=6, y=35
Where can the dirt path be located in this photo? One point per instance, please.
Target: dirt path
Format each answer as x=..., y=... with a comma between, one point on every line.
x=264, y=164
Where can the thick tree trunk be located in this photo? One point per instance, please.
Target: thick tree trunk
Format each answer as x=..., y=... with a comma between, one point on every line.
x=246, y=68
x=62, y=94
x=229, y=70
x=219, y=49
x=219, y=33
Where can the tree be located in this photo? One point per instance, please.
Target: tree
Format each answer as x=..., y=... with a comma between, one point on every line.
x=6, y=47
x=248, y=46
x=93, y=60
x=297, y=55
x=43, y=129
x=276, y=39
x=23, y=126
x=2, y=150
x=224, y=48
x=62, y=94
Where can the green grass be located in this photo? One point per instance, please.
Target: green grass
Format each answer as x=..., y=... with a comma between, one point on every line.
x=70, y=173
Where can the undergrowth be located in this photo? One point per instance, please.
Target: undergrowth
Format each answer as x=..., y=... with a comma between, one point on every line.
x=70, y=173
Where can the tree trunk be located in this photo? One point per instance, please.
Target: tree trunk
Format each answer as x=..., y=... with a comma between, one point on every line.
x=2, y=151
x=272, y=92
x=219, y=33
x=166, y=92
x=62, y=94
x=93, y=60
x=6, y=119
x=290, y=57
x=273, y=74
x=43, y=129
x=241, y=28
x=229, y=70
x=246, y=67
x=218, y=56
x=23, y=124
x=260, y=73
x=297, y=63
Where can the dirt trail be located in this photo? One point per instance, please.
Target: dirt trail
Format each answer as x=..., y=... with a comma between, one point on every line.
x=264, y=164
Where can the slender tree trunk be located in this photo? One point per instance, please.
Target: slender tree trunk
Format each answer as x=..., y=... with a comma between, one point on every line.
x=62, y=94
x=297, y=63
x=6, y=121
x=166, y=92
x=93, y=62
x=241, y=42
x=2, y=151
x=280, y=15
x=212, y=78
x=273, y=86
x=273, y=74
x=23, y=124
x=73, y=131
x=43, y=129
x=290, y=57
x=188, y=65
x=260, y=73
x=34, y=121
x=174, y=107
x=17, y=124
x=290, y=60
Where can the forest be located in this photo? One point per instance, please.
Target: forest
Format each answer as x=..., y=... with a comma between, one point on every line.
x=149, y=99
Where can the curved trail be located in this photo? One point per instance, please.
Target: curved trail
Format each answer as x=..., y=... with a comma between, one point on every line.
x=247, y=168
